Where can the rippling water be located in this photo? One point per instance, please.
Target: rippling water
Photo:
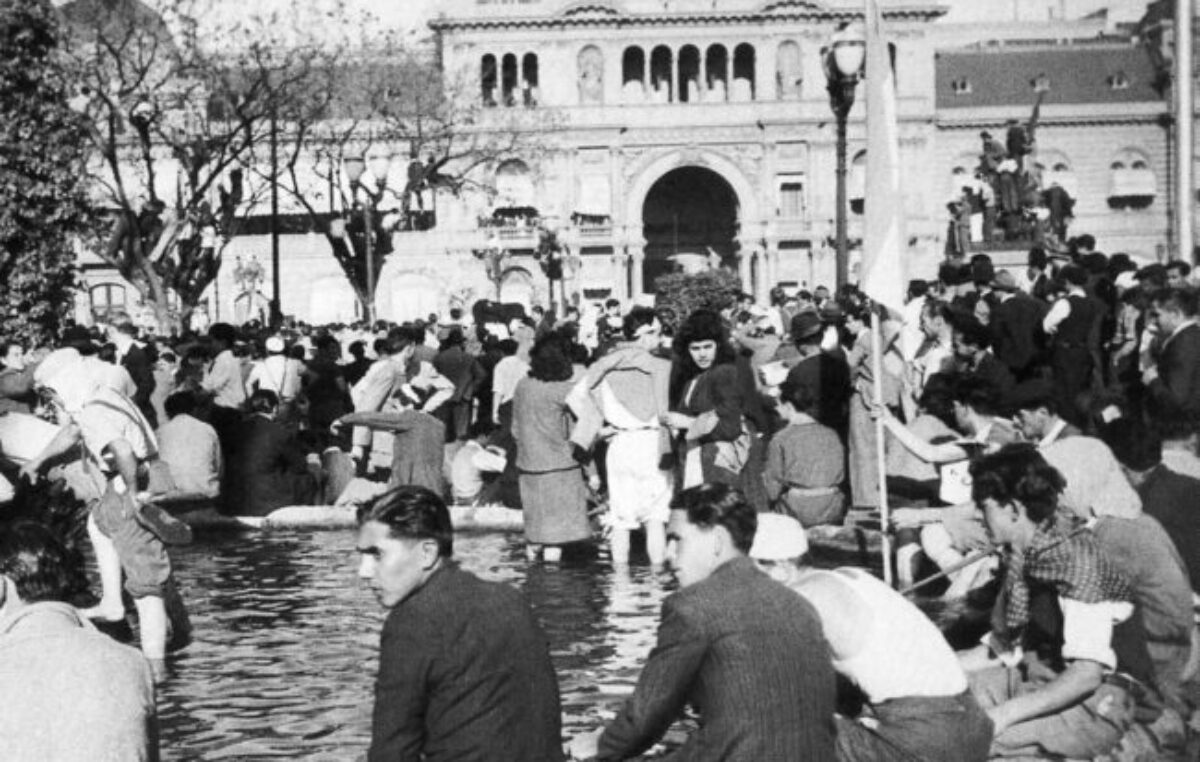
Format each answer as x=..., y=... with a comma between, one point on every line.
x=285, y=643
x=284, y=655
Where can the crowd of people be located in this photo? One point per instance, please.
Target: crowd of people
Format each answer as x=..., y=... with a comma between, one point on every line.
x=1040, y=449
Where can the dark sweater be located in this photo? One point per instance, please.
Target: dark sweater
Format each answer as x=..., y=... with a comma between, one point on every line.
x=1171, y=498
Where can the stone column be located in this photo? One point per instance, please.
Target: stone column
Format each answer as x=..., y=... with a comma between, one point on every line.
x=745, y=254
x=618, y=264
x=770, y=269
x=675, y=95
x=637, y=257
x=729, y=75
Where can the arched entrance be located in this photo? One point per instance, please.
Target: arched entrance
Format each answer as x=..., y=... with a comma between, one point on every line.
x=688, y=211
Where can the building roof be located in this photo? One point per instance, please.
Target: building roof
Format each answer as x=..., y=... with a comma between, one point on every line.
x=1075, y=74
x=534, y=13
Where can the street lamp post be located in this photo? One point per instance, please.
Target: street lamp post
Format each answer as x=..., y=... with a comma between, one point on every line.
x=843, y=61
x=355, y=166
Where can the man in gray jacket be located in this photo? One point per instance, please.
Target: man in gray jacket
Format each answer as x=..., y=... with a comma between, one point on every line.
x=69, y=692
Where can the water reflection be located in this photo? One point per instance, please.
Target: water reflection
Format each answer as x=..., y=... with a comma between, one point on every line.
x=286, y=640
x=285, y=644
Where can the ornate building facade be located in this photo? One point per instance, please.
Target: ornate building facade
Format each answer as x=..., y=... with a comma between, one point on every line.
x=699, y=129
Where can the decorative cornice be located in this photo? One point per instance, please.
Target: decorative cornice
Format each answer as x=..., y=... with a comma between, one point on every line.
x=598, y=13
x=944, y=123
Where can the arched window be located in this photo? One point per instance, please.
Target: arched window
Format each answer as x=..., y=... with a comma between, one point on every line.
x=508, y=79
x=514, y=185
x=742, y=88
x=660, y=75
x=529, y=79
x=109, y=301
x=856, y=183
x=689, y=74
x=788, y=71
x=1132, y=183
x=517, y=286
x=487, y=80
x=591, y=75
x=716, y=73
x=633, y=75
x=1055, y=168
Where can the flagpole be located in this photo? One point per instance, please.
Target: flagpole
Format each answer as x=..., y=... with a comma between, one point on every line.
x=880, y=452
x=1184, y=115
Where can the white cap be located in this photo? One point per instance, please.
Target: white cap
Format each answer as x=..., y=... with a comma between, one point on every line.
x=1126, y=280
x=778, y=538
x=275, y=345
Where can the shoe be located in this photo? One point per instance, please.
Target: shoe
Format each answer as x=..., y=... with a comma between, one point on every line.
x=165, y=527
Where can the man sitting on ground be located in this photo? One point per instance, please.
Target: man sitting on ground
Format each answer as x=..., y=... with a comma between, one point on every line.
x=1095, y=486
x=464, y=670
x=272, y=468
x=1060, y=672
x=733, y=644
x=69, y=692
x=190, y=449
x=918, y=705
x=1167, y=496
x=473, y=464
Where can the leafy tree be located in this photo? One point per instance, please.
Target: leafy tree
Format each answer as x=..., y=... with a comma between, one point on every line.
x=679, y=294
x=43, y=205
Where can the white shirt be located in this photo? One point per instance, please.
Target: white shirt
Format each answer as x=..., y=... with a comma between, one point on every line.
x=192, y=452
x=466, y=470
x=902, y=654
x=1181, y=461
x=1060, y=310
x=507, y=373
x=935, y=360
x=911, y=335
x=278, y=374
x=224, y=380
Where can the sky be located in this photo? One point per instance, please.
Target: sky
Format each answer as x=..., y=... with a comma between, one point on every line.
x=410, y=16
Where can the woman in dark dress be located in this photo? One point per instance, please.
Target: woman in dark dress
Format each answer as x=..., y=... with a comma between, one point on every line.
x=715, y=440
x=553, y=491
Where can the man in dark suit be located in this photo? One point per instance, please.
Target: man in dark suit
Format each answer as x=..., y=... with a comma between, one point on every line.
x=971, y=343
x=464, y=669
x=742, y=649
x=268, y=468
x=1174, y=382
x=1016, y=325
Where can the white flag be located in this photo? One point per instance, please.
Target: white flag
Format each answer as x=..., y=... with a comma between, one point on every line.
x=884, y=239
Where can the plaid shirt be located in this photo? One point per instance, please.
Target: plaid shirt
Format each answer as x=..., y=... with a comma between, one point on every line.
x=1066, y=557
